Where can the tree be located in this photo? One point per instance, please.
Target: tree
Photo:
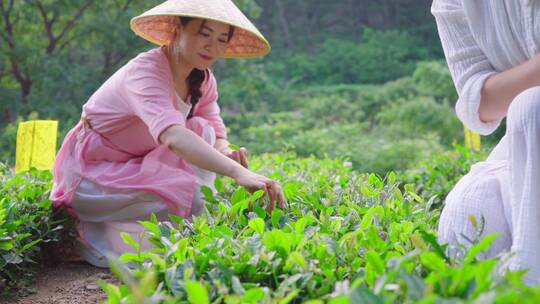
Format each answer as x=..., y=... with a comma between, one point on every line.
x=39, y=35
x=23, y=34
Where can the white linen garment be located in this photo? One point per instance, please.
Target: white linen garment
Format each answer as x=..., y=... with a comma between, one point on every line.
x=481, y=38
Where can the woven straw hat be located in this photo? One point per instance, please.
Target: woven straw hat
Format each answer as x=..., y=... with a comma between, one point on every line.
x=157, y=24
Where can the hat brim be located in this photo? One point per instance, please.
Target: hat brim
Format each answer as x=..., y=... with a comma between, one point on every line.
x=158, y=24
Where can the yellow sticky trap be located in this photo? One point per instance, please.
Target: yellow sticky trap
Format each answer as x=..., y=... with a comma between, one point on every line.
x=472, y=140
x=36, y=145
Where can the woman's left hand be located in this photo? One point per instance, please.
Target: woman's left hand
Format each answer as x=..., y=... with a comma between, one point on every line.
x=240, y=156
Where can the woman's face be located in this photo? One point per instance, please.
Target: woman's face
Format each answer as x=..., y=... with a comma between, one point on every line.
x=201, y=42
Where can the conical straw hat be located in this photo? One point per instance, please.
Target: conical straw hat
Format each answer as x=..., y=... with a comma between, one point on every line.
x=157, y=24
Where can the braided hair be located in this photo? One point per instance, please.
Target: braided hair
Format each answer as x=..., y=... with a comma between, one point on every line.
x=196, y=77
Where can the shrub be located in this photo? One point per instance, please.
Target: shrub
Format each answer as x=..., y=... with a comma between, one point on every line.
x=422, y=115
x=434, y=177
x=433, y=79
x=26, y=222
x=344, y=238
x=379, y=57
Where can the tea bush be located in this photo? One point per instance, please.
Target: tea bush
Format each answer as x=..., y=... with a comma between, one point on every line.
x=420, y=116
x=379, y=150
x=379, y=57
x=435, y=177
x=26, y=222
x=344, y=237
x=378, y=127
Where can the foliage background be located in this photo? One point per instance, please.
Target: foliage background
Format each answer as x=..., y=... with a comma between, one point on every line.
x=360, y=79
x=351, y=88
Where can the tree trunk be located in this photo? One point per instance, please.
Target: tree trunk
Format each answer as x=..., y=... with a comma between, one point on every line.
x=283, y=22
x=8, y=116
x=25, y=81
x=309, y=24
x=106, y=63
x=26, y=88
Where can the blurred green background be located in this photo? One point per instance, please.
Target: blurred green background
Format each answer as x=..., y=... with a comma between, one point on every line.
x=354, y=78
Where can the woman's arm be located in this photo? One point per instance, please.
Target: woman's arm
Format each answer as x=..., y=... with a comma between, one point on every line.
x=468, y=64
x=189, y=146
x=500, y=89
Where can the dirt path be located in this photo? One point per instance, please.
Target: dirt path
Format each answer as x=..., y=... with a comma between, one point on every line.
x=67, y=283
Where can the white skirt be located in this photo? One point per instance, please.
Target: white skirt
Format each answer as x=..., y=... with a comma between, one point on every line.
x=105, y=212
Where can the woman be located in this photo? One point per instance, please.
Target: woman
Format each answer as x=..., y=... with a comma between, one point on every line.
x=151, y=135
x=491, y=49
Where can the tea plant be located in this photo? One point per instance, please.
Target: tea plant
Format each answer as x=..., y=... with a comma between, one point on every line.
x=26, y=222
x=435, y=176
x=343, y=238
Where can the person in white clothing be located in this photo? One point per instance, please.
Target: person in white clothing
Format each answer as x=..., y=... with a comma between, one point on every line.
x=491, y=48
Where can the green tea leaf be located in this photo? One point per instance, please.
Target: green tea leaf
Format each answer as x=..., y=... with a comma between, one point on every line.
x=433, y=261
x=296, y=258
x=276, y=217
x=128, y=239
x=375, y=261
x=218, y=184
x=289, y=297
x=234, y=147
x=253, y=295
x=484, y=244
x=257, y=225
x=196, y=292
x=257, y=195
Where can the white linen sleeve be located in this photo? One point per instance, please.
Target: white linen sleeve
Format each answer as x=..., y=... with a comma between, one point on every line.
x=468, y=64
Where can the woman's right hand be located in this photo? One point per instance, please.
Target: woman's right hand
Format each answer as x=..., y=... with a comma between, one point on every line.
x=253, y=182
x=191, y=147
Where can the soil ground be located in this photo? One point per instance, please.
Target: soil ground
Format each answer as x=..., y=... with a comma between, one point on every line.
x=67, y=282
x=64, y=278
